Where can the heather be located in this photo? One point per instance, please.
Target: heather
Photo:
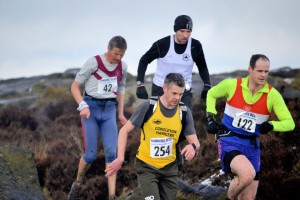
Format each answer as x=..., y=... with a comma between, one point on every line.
x=50, y=127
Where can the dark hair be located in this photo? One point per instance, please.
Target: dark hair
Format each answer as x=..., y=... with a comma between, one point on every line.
x=117, y=42
x=174, y=78
x=256, y=57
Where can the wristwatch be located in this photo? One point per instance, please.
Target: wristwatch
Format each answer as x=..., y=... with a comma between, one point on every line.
x=139, y=83
x=194, y=146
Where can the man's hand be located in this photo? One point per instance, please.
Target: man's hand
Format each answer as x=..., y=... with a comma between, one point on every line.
x=204, y=91
x=265, y=127
x=122, y=119
x=85, y=112
x=213, y=126
x=188, y=152
x=141, y=92
x=113, y=167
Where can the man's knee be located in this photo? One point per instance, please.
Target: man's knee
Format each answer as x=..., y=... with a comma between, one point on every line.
x=110, y=156
x=89, y=157
x=247, y=175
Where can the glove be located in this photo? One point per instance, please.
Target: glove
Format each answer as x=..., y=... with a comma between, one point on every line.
x=204, y=91
x=265, y=127
x=213, y=126
x=141, y=92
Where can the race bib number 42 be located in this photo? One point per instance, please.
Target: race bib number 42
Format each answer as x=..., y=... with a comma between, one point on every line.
x=161, y=147
x=107, y=85
x=245, y=121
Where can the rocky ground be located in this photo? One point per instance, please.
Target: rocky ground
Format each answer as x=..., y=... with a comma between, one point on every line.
x=18, y=175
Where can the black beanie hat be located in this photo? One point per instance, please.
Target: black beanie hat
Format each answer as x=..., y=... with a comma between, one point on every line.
x=183, y=22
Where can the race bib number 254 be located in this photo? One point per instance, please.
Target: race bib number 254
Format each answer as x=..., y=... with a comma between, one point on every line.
x=161, y=147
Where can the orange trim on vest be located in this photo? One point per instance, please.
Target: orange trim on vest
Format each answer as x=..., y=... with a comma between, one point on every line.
x=238, y=101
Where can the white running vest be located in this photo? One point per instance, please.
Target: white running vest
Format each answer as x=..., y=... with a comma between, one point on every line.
x=175, y=63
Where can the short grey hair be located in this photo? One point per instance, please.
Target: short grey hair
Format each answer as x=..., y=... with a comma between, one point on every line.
x=117, y=42
x=176, y=79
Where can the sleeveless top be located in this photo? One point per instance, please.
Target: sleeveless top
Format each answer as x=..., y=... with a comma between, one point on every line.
x=243, y=118
x=173, y=62
x=159, y=138
x=109, y=84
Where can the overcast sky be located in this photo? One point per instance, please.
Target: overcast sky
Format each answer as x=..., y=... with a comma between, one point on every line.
x=39, y=37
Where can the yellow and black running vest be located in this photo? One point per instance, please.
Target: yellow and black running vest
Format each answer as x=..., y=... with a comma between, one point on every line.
x=159, y=137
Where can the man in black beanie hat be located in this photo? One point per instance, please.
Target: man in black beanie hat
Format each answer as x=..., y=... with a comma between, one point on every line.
x=185, y=51
x=175, y=53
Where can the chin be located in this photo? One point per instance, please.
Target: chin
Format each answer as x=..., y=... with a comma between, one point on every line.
x=262, y=82
x=175, y=103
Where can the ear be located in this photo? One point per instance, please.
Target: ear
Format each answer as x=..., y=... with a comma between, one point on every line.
x=165, y=88
x=249, y=69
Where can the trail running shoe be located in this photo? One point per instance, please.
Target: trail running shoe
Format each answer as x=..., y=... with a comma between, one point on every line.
x=74, y=192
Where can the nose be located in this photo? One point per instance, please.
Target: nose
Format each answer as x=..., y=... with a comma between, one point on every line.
x=177, y=97
x=118, y=57
x=265, y=74
x=186, y=34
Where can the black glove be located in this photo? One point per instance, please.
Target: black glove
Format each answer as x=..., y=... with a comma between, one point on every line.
x=141, y=92
x=265, y=127
x=213, y=126
x=204, y=91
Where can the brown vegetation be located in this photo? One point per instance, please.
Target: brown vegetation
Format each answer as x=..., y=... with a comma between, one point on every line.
x=51, y=129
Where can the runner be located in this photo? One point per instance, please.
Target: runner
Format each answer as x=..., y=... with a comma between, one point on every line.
x=175, y=53
x=156, y=166
x=249, y=103
x=104, y=77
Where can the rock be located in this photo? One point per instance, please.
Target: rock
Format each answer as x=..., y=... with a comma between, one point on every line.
x=18, y=175
x=290, y=93
x=207, y=192
x=284, y=72
x=17, y=86
x=70, y=73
